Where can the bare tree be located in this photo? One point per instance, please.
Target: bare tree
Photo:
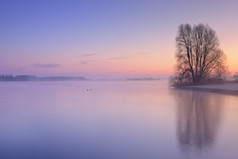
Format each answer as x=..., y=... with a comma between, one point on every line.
x=235, y=77
x=198, y=55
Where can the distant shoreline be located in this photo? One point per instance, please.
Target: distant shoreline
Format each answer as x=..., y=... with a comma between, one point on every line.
x=25, y=78
x=226, y=88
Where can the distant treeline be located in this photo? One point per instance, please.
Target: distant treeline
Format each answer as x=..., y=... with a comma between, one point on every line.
x=142, y=79
x=35, y=78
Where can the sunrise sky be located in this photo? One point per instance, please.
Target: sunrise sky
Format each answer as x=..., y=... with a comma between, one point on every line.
x=106, y=38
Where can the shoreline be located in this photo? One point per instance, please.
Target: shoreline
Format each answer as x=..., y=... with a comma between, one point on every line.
x=227, y=88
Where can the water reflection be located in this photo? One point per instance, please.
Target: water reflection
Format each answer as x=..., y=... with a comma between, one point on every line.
x=198, y=116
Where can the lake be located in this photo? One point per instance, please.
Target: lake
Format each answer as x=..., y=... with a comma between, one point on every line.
x=115, y=120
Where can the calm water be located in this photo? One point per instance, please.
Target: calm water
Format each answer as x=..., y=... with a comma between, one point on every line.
x=115, y=120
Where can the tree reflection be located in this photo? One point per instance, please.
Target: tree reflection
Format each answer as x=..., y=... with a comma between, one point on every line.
x=198, y=116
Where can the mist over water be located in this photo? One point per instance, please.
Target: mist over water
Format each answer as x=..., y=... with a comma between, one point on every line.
x=115, y=119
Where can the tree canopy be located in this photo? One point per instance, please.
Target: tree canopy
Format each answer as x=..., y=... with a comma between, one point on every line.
x=198, y=55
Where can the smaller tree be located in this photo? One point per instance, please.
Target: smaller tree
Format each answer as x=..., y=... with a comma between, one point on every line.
x=198, y=55
x=235, y=77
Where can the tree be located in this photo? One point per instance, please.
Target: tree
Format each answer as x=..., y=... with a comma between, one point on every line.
x=235, y=77
x=198, y=55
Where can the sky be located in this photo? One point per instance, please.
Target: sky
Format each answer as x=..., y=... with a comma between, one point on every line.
x=106, y=38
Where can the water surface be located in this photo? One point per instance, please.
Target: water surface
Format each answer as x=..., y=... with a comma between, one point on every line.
x=115, y=120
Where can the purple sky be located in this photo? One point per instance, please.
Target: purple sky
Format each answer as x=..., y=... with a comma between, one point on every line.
x=99, y=38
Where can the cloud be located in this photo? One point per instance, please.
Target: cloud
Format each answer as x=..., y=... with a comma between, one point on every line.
x=128, y=57
x=85, y=58
x=49, y=65
x=84, y=62
x=87, y=55
x=119, y=58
